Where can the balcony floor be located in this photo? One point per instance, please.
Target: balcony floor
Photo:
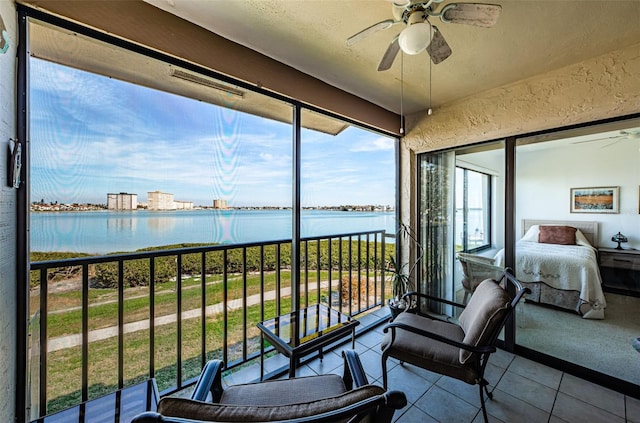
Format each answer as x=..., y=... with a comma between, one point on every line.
x=526, y=390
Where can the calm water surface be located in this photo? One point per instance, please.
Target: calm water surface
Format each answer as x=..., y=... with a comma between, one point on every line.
x=102, y=232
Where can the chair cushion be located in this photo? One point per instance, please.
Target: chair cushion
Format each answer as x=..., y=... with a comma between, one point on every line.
x=426, y=352
x=283, y=392
x=198, y=410
x=482, y=316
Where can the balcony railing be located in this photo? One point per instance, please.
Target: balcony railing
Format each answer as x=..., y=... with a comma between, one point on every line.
x=105, y=322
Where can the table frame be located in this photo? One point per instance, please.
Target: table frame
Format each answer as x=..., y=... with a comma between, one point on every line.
x=318, y=338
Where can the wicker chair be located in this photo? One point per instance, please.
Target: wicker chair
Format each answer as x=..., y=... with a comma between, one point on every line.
x=475, y=269
x=457, y=349
x=324, y=398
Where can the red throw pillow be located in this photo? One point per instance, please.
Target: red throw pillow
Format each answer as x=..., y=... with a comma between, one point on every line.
x=562, y=235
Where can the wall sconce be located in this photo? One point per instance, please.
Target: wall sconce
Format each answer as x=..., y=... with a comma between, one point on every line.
x=619, y=238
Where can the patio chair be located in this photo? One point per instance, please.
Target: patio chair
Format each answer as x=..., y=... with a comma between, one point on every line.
x=475, y=269
x=324, y=398
x=459, y=349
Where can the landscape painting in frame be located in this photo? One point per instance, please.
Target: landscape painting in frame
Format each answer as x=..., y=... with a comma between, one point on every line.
x=595, y=200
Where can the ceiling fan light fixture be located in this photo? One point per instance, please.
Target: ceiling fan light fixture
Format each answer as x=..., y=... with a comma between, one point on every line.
x=416, y=37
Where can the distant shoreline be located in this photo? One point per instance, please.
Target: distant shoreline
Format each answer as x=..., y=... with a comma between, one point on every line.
x=44, y=208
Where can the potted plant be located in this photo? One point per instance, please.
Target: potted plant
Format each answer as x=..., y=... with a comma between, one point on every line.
x=403, y=274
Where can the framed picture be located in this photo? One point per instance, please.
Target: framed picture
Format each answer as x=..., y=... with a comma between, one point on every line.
x=595, y=200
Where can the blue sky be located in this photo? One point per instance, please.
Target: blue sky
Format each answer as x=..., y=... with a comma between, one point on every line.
x=92, y=135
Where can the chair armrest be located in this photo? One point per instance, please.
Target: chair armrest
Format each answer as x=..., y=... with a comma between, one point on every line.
x=432, y=298
x=473, y=348
x=354, y=375
x=209, y=382
x=392, y=400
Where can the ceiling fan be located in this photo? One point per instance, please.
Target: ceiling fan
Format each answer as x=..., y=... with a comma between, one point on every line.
x=419, y=34
x=620, y=136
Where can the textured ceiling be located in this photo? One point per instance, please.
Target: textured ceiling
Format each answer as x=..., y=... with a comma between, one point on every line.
x=530, y=38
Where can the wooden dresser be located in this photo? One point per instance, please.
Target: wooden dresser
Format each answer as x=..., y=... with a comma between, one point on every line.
x=620, y=270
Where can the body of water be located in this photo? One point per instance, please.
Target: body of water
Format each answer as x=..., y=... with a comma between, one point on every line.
x=100, y=232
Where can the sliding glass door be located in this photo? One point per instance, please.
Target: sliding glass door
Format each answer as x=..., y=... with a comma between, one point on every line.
x=584, y=295
x=461, y=210
x=578, y=315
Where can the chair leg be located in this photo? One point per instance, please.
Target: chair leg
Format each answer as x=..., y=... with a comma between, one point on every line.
x=483, y=387
x=484, y=409
x=384, y=371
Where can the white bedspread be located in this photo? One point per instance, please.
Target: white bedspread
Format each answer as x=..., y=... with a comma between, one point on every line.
x=565, y=267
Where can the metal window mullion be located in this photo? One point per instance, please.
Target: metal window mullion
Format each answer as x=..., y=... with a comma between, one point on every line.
x=296, y=205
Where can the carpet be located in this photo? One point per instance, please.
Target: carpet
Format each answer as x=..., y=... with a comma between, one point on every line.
x=601, y=345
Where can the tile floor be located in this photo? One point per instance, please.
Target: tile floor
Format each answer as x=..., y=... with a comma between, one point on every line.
x=526, y=391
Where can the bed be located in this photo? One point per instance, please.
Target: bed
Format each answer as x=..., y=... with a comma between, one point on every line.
x=565, y=276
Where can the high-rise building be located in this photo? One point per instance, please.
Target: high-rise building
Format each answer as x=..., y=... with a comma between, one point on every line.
x=122, y=201
x=220, y=204
x=183, y=205
x=157, y=200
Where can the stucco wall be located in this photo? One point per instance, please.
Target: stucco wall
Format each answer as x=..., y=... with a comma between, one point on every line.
x=604, y=87
x=7, y=220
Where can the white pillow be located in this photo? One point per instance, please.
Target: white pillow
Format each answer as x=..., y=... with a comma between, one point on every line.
x=581, y=239
x=532, y=234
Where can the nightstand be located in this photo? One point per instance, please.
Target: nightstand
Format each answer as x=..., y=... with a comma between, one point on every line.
x=620, y=271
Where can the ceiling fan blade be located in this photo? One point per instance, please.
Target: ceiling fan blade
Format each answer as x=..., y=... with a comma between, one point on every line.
x=438, y=49
x=370, y=30
x=476, y=14
x=389, y=55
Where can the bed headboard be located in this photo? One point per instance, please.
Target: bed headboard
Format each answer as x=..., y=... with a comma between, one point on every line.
x=588, y=229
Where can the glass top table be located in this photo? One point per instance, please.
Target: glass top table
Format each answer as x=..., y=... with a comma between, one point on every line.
x=306, y=330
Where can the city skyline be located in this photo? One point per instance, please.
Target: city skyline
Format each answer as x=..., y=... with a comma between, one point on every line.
x=92, y=135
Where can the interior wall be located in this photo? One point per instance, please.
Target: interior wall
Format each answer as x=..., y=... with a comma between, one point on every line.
x=576, y=166
x=7, y=218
